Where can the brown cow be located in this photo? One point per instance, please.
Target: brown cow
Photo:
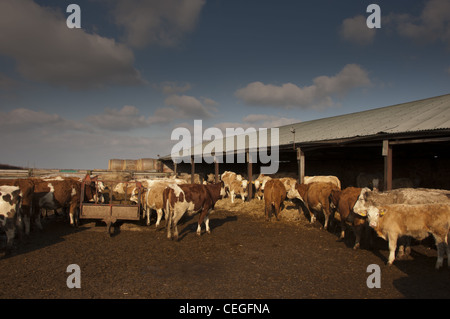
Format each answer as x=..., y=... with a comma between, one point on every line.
x=316, y=199
x=344, y=200
x=274, y=196
x=190, y=198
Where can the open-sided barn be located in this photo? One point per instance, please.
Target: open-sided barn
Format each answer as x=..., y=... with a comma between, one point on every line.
x=408, y=144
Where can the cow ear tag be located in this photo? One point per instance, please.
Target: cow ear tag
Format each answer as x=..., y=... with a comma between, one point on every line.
x=382, y=212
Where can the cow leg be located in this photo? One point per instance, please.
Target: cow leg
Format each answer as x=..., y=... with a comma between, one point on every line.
x=232, y=195
x=440, y=245
x=10, y=232
x=37, y=222
x=357, y=230
x=176, y=217
x=440, y=252
x=73, y=214
x=343, y=227
x=26, y=223
x=208, y=230
x=326, y=213
x=277, y=211
x=313, y=217
x=159, y=212
x=392, y=247
x=447, y=241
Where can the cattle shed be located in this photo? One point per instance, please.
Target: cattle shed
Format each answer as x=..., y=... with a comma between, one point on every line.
x=406, y=144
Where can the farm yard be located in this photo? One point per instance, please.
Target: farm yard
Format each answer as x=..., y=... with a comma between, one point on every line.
x=243, y=257
x=258, y=233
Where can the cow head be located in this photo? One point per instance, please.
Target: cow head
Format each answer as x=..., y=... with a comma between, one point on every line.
x=373, y=215
x=360, y=206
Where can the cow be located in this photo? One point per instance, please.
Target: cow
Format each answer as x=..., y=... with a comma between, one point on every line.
x=10, y=209
x=274, y=196
x=316, y=197
x=26, y=186
x=238, y=187
x=152, y=196
x=123, y=191
x=418, y=221
x=190, y=199
x=291, y=188
x=62, y=194
x=323, y=179
x=260, y=183
x=410, y=196
x=344, y=200
x=234, y=185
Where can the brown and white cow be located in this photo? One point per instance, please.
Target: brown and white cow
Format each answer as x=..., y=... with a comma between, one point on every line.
x=418, y=221
x=274, y=196
x=10, y=207
x=26, y=186
x=344, y=200
x=316, y=197
x=152, y=198
x=238, y=187
x=260, y=184
x=291, y=189
x=190, y=199
x=62, y=194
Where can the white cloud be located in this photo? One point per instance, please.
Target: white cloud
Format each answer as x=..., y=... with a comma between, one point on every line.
x=125, y=119
x=41, y=139
x=432, y=25
x=22, y=119
x=129, y=118
x=169, y=87
x=45, y=50
x=355, y=30
x=156, y=22
x=317, y=95
x=190, y=107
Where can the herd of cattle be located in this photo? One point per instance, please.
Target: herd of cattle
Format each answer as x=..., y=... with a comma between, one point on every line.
x=396, y=216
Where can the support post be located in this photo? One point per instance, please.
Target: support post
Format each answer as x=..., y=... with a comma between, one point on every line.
x=249, y=173
x=192, y=170
x=301, y=165
x=216, y=170
x=387, y=154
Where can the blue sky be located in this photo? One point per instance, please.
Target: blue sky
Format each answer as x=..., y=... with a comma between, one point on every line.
x=136, y=70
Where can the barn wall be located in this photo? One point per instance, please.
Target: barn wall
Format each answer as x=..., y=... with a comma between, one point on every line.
x=426, y=165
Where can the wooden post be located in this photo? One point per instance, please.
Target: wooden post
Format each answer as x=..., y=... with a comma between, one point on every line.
x=192, y=170
x=387, y=153
x=301, y=165
x=175, y=168
x=249, y=173
x=216, y=170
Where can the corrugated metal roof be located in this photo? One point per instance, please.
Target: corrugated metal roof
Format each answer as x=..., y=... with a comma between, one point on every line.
x=422, y=115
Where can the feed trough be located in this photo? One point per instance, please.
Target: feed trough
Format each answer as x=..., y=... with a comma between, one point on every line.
x=116, y=207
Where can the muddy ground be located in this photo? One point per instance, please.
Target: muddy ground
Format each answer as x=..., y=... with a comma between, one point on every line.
x=243, y=257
